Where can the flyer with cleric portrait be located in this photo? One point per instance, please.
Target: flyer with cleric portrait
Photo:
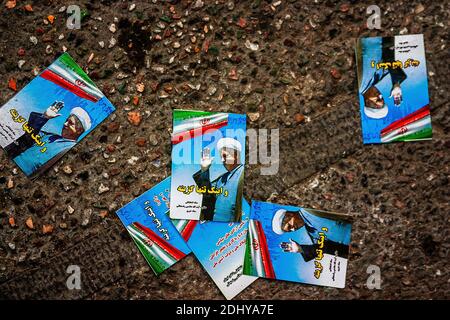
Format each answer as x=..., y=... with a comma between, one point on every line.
x=393, y=89
x=297, y=244
x=208, y=158
x=219, y=247
x=51, y=115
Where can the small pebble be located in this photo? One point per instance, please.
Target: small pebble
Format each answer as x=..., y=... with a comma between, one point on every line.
x=34, y=40
x=67, y=170
x=419, y=8
x=253, y=116
x=252, y=46
x=335, y=73
x=134, y=117
x=47, y=228
x=298, y=117
x=103, y=213
x=112, y=42
x=29, y=223
x=112, y=28
x=86, y=217
x=102, y=189
x=140, y=87
x=12, y=222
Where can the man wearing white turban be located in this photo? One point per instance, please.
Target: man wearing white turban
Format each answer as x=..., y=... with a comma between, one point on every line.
x=304, y=225
x=23, y=150
x=227, y=205
x=373, y=83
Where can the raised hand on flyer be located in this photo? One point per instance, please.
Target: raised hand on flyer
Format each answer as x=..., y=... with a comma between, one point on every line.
x=53, y=110
x=396, y=93
x=291, y=246
x=206, y=159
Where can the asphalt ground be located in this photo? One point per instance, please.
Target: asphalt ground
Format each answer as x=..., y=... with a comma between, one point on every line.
x=300, y=80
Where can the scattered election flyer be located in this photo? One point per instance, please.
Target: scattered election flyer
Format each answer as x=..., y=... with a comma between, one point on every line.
x=51, y=115
x=220, y=248
x=297, y=244
x=393, y=89
x=208, y=158
x=147, y=221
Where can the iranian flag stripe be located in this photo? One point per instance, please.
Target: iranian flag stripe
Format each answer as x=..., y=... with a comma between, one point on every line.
x=179, y=224
x=186, y=135
x=408, y=129
x=180, y=115
x=154, y=249
x=60, y=81
x=188, y=229
x=75, y=79
x=255, y=260
x=174, y=252
x=156, y=265
x=248, y=268
x=424, y=134
x=412, y=117
x=247, y=258
x=67, y=61
x=197, y=122
x=268, y=268
x=184, y=227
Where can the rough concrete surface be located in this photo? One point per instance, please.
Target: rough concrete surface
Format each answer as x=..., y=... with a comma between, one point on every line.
x=296, y=73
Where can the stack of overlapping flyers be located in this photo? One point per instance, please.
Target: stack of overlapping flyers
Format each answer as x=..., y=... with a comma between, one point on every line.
x=207, y=215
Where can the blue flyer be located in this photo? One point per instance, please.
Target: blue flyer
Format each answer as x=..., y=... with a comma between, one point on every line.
x=393, y=89
x=297, y=244
x=220, y=248
x=147, y=221
x=208, y=159
x=51, y=115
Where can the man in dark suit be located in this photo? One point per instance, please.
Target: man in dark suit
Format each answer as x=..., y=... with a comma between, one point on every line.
x=75, y=125
x=374, y=101
x=292, y=221
x=226, y=206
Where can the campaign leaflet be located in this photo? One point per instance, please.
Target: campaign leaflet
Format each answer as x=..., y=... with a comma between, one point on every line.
x=208, y=158
x=51, y=115
x=297, y=244
x=220, y=248
x=147, y=221
x=393, y=89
